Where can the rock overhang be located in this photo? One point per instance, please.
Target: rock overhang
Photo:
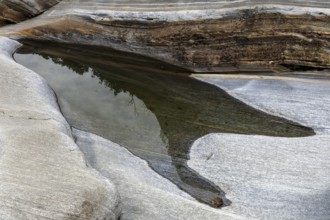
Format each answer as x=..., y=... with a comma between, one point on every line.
x=228, y=36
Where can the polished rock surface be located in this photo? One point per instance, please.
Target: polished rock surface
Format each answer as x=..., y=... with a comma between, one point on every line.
x=155, y=113
x=144, y=194
x=299, y=96
x=265, y=177
x=272, y=177
x=43, y=174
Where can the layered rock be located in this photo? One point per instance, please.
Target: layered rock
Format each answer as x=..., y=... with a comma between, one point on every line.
x=43, y=174
x=215, y=36
x=165, y=104
x=13, y=11
x=265, y=177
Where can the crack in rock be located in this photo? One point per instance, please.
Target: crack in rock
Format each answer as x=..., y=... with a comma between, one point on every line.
x=3, y=113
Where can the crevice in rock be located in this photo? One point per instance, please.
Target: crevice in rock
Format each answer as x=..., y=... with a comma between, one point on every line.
x=21, y=117
x=302, y=68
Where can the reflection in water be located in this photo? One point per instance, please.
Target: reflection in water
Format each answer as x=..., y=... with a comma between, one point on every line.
x=154, y=109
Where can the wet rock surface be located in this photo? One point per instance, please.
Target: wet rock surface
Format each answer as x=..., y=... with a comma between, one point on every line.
x=144, y=193
x=264, y=177
x=171, y=109
x=254, y=169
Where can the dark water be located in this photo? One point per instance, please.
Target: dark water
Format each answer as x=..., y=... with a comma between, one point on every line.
x=154, y=109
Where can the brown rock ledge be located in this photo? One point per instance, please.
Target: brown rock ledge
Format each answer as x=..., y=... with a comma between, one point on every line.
x=13, y=11
x=235, y=36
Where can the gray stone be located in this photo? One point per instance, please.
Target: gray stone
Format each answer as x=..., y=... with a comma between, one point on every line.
x=272, y=177
x=144, y=194
x=302, y=97
x=43, y=174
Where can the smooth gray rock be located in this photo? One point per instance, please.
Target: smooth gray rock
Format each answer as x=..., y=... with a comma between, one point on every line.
x=265, y=178
x=43, y=174
x=268, y=178
x=302, y=97
x=272, y=177
x=144, y=194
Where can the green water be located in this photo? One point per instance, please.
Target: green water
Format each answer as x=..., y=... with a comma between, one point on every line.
x=153, y=109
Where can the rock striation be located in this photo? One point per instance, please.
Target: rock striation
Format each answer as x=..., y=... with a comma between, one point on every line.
x=13, y=11
x=43, y=174
x=210, y=36
x=172, y=104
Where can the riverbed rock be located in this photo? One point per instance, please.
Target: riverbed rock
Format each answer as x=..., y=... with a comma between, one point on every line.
x=272, y=177
x=207, y=36
x=165, y=105
x=13, y=11
x=301, y=97
x=144, y=193
x=43, y=174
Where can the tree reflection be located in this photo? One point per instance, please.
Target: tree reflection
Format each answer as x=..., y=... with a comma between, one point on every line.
x=185, y=108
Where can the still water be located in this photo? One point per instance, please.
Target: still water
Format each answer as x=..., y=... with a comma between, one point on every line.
x=153, y=109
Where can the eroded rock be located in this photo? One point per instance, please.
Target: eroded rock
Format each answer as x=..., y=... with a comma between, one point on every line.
x=43, y=174
x=145, y=194
x=13, y=11
x=272, y=177
x=226, y=35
